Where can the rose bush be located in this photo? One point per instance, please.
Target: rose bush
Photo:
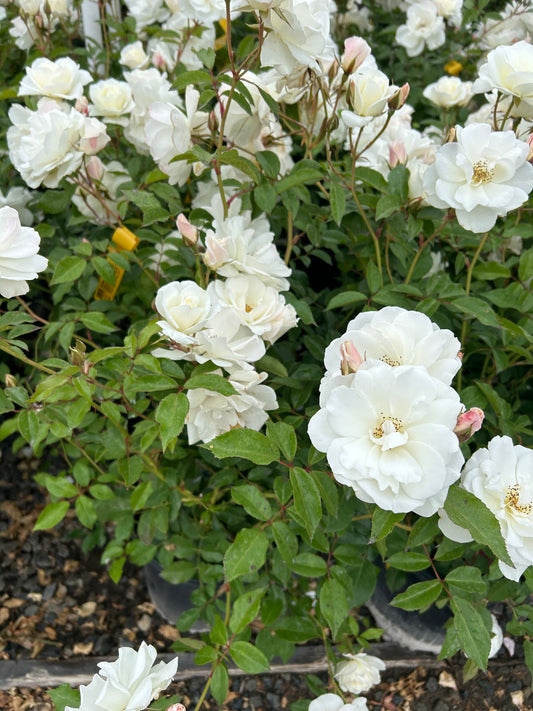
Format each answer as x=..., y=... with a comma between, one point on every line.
x=281, y=296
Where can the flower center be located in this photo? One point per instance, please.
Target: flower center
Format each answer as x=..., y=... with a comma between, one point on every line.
x=248, y=308
x=512, y=499
x=389, y=433
x=482, y=173
x=389, y=361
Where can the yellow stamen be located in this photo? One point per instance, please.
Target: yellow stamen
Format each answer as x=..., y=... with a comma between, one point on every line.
x=482, y=173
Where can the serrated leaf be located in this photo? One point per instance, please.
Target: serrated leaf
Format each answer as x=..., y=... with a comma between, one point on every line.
x=96, y=321
x=68, y=269
x=284, y=436
x=246, y=554
x=382, y=523
x=248, y=444
x=471, y=630
x=408, y=561
x=468, y=511
x=333, y=604
x=307, y=500
x=51, y=515
x=345, y=298
x=418, y=596
x=337, y=201
x=467, y=579
x=249, y=658
x=211, y=381
x=245, y=609
x=309, y=565
x=285, y=540
x=65, y=696
x=170, y=415
x=269, y=163
x=220, y=684
x=252, y=500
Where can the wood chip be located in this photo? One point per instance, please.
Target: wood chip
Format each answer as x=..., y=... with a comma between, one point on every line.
x=169, y=632
x=447, y=680
x=88, y=608
x=83, y=648
x=13, y=603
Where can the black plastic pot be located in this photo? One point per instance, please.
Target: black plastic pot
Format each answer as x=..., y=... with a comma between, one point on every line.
x=170, y=599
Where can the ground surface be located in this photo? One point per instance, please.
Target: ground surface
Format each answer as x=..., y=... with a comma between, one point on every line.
x=57, y=603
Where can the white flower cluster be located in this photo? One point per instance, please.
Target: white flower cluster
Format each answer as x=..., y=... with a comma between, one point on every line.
x=500, y=476
x=388, y=413
x=228, y=323
x=130, y=683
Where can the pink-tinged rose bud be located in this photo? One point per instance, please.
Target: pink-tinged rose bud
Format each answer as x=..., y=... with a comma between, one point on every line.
x=95, y=168
x=159, y=61
x=82, y=105
x=398, y=99
x=356, y=50
x=530, y=144
x=351, y=359
x=94, y=137
x=397, y=153
x=468, y=423
x=177, y=707
x=187, y=231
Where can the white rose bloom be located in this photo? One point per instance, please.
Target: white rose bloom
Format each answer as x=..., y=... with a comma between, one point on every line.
x=449, y=91
x=204, y=11
x=94, y=137
x=168, y=134
x=29, y=7
x=332, y=702
x=19, y=258
x=359, y=672
x=184, y=307
x=451, y=10
x=147, y=86
x=147, y=12
x=211, y=414
x=516, y=24
x=17, y=198
x=500, y=476
x=133, y=56
x=424, y=27
x=388, y=433
x=111, y=99
x=240, y=245
x=368, y=93
x=298, y=36
x=108, y=179
x=497, y=637
x=483, y=176
x=129, y=683
x=227, y=342
x=262, y=308
x=394, y=336
x=23, y=32
x=509, y=70
x=62, y=79
x=44, y=144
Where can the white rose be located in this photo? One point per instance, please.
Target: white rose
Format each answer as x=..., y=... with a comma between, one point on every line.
x=129, y=683
x=423, y=27
x=368, y=93
x=240, y=245
x=184, y=307
x=451, y=10
x=211, y=414
x=227, y=342
x=500, y=476
x=111, y=99
x=18, y=198
x=94, y=137
x=133, y=56
x=332, y=702
x=359, y=672
x=23, y=32
x=204, y=11
x=298, y=36
x=62, y=79
x=44, y=144
x=147, y=12
x=483, y=175
x=449, y=91
x=509, y=70
x=19, y=258
x=262, y=308
x=388, y=433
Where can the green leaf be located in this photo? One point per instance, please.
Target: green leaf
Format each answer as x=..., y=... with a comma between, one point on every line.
x=284, y=437
x=206, y=655
x=472, y=306
x=371, y=177
x=51, y=515
x=170, y=415
x=423, y=531
x=245, y=609
x=179, y=572
x=528, y=655
x=68, y=269
x=252, y=500
x=232, y=157
x=525, y=266
x=285, y=540
x=140, y=495
x=249, y=658
x=195, y=77
x=104, y=269
x=333, y=604
x=218, y=633
x=246, y=554
x=468, y=511
x=382, y=523
x=265, y=197
x=409, y=561
x=345, y=298
x=271, y=365
x=116, y=568
x=309, y=565
x=220, y=684
x=306, y=499
x=244, y=443
x=97, y=321
x=269, y=163
x=85, y=511
x=472, y=631
x=466, y=579
x=65, y=696
x=211, y=381
x=418, y=596
x=387, y=205
x=337, y=201
x=329, y=491
x=398, y=181
x=305, y=171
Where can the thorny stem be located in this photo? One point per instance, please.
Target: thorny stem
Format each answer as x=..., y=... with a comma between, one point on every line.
x=289, y=238
x=31, y=313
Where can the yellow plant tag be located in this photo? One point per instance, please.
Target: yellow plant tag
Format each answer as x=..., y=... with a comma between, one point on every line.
x=124, y=241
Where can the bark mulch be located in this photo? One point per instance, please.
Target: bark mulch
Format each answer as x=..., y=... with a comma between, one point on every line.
x=59, y=606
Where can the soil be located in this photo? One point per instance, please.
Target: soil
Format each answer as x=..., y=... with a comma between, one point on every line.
x=58, y=603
